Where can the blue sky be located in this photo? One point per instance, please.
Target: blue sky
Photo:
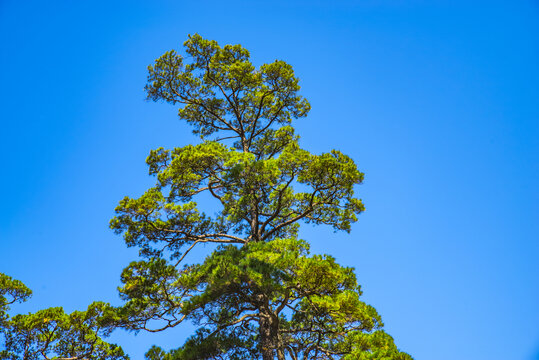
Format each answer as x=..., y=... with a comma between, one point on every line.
x=437, y=102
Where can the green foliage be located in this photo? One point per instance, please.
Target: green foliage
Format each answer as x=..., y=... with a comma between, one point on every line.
x=221, y=90
x=11, y=291
x=256, y=193
x=259, y=294
x=53, y=334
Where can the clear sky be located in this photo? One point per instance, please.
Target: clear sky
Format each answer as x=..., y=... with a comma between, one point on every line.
x=438, y=103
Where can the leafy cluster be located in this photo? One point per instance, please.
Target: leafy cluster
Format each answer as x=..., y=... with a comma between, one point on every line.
x=11, y=291
x=310, y=303
x=53, y=334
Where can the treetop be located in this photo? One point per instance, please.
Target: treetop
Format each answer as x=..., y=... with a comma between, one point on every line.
x=219, y=90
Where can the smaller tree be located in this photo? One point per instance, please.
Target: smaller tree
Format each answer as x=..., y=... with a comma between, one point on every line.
x=53, y=334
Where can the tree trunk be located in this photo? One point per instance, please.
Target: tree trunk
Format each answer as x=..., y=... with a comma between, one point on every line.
x=266, y=341
x=270, y=340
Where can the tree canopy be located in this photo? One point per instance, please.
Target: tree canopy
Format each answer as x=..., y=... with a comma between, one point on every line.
x=259, y=293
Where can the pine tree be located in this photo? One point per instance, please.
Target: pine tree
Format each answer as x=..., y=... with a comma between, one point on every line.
x=259, y=294
x=51, y=333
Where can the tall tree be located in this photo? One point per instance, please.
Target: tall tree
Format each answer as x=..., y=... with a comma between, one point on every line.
x=259, y=294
